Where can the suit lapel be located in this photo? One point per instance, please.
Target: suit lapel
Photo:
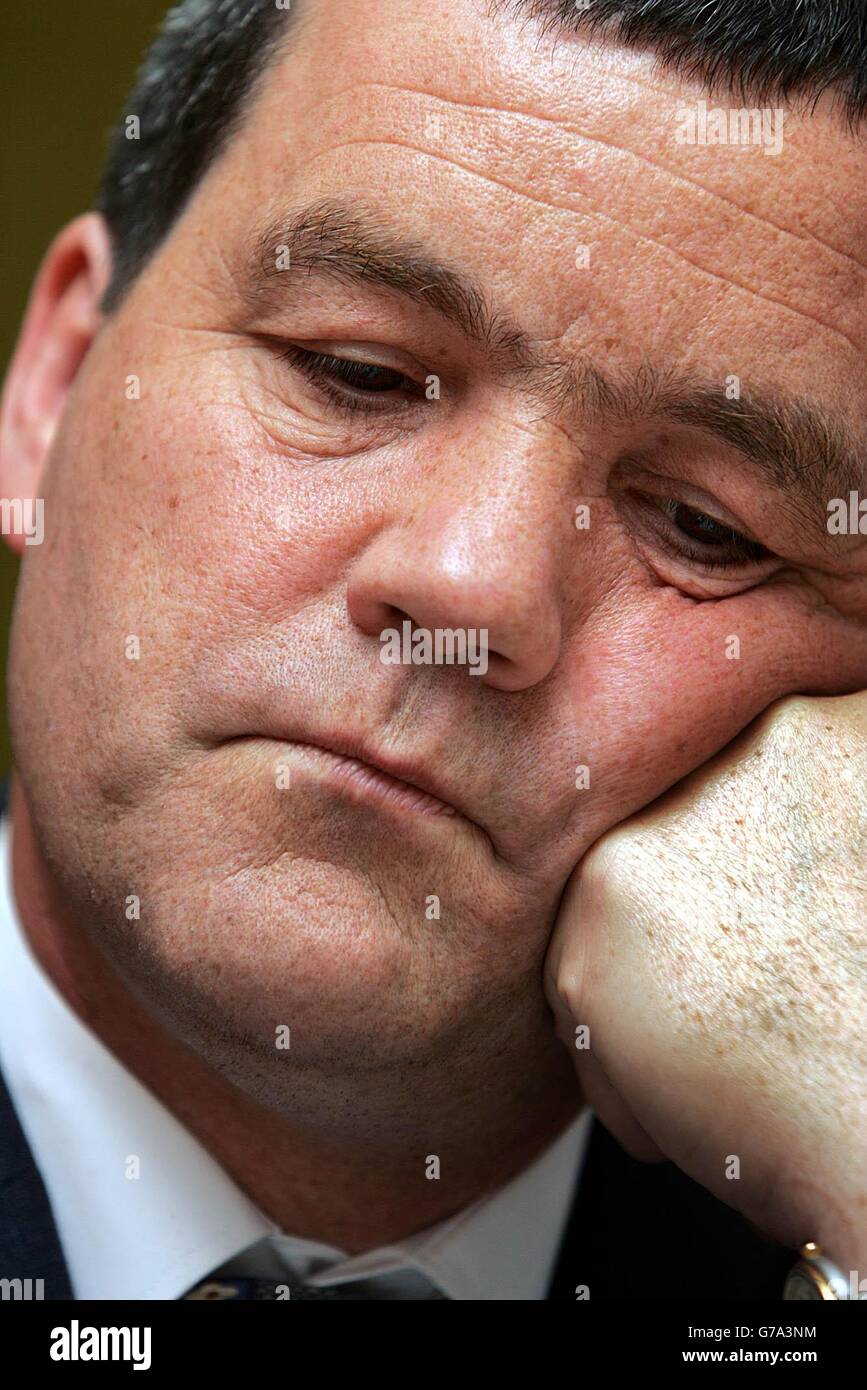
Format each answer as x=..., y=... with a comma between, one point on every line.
x=646, y=1231
x=29, y=1244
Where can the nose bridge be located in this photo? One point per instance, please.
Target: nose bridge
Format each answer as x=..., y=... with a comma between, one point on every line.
x=478, y=548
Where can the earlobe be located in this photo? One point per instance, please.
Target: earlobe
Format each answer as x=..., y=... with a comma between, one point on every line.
x=62, y=319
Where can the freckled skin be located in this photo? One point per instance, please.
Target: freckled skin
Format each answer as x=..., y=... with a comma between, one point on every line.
x=741, y=1038
x=249, y=538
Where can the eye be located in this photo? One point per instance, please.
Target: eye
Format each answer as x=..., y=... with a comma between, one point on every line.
x=351, y=385
x=710, y=542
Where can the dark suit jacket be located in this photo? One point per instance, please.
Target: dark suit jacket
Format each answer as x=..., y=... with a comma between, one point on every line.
x=635, y=1231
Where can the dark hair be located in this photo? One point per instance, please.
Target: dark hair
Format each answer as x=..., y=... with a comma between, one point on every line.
x=189, y=96
x=766, y=50
x=196, y=79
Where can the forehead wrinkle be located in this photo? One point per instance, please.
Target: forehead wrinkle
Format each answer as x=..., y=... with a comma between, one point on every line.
x=569, y=127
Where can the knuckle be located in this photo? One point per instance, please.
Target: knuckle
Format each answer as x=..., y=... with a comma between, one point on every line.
x=568, y=988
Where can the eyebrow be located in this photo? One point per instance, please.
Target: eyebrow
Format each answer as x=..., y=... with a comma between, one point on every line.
x=799, y=447
x=350, y=243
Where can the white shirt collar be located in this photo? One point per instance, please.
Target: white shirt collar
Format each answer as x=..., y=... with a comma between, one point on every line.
x=87, y=1120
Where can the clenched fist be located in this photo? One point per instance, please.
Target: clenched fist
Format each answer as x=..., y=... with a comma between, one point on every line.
x=708, y=971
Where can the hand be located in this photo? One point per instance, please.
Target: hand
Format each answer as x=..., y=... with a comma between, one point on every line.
x=715, y=945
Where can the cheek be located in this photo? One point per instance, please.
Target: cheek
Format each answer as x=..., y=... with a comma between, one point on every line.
x=176, y=534
x=170, y=519
x=667, y=682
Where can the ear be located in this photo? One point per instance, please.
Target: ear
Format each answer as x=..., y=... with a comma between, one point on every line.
x=62, y=319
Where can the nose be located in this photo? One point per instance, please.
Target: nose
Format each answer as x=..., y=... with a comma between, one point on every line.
x=485, y=558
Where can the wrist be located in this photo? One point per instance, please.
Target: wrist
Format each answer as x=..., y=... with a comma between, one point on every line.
x=828, y=1218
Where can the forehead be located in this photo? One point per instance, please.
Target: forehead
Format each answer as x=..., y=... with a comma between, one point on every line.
x=558, y=172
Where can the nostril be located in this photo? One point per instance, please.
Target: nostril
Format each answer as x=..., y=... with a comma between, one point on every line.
x=394, y=617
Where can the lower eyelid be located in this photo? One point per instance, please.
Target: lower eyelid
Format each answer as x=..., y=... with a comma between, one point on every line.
x=685, y=549
x=715, y=557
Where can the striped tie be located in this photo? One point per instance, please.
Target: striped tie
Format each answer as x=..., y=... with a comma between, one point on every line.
x=288, y=1289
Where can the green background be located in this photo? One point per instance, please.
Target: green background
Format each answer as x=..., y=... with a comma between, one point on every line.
x=66, y=67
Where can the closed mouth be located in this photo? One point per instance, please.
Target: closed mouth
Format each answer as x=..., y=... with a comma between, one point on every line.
x=363, y=774
x=397, y=783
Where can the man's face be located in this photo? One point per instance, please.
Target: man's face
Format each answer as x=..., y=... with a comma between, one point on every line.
x=256, y=535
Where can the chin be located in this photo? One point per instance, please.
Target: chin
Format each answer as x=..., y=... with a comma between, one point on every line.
x=354, y=971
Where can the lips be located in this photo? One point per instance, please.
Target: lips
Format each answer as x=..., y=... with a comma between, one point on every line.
x=355, y=761
x=400, y=790
x=401, y=773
